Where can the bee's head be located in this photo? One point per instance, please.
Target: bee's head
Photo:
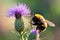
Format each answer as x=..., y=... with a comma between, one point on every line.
x=38, y=16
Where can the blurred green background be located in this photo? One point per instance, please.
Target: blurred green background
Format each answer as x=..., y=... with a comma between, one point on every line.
x=50, y=9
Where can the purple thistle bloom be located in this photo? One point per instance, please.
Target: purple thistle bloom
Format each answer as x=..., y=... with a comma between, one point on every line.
x=21, y=8
x=34, y=31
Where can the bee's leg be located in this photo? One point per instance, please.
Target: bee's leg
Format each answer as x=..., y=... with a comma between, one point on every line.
x=38, y=35
x=40, y=31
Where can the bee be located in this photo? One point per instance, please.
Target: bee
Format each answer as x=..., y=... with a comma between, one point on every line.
x=40, y=22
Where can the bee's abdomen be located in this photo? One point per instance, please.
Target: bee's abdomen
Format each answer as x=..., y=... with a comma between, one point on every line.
x=40, y=27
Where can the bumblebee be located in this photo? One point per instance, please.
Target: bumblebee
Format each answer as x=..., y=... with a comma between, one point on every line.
x=41, y=23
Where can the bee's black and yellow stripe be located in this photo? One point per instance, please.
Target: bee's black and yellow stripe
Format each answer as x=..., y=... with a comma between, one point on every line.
x=41, y=25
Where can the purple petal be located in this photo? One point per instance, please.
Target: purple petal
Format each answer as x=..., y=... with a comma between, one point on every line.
x=23, y=9
x=34, y=31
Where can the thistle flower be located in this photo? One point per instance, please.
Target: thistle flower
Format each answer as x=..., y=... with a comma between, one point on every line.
x=34, y=31
x=18, y=11
x=33, y=34
x=21, y=9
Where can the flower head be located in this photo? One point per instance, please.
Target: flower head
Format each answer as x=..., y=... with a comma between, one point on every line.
x=21, y=8
x=34, y=31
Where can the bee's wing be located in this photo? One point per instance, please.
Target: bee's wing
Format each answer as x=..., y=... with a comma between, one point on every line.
x=50, y=23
